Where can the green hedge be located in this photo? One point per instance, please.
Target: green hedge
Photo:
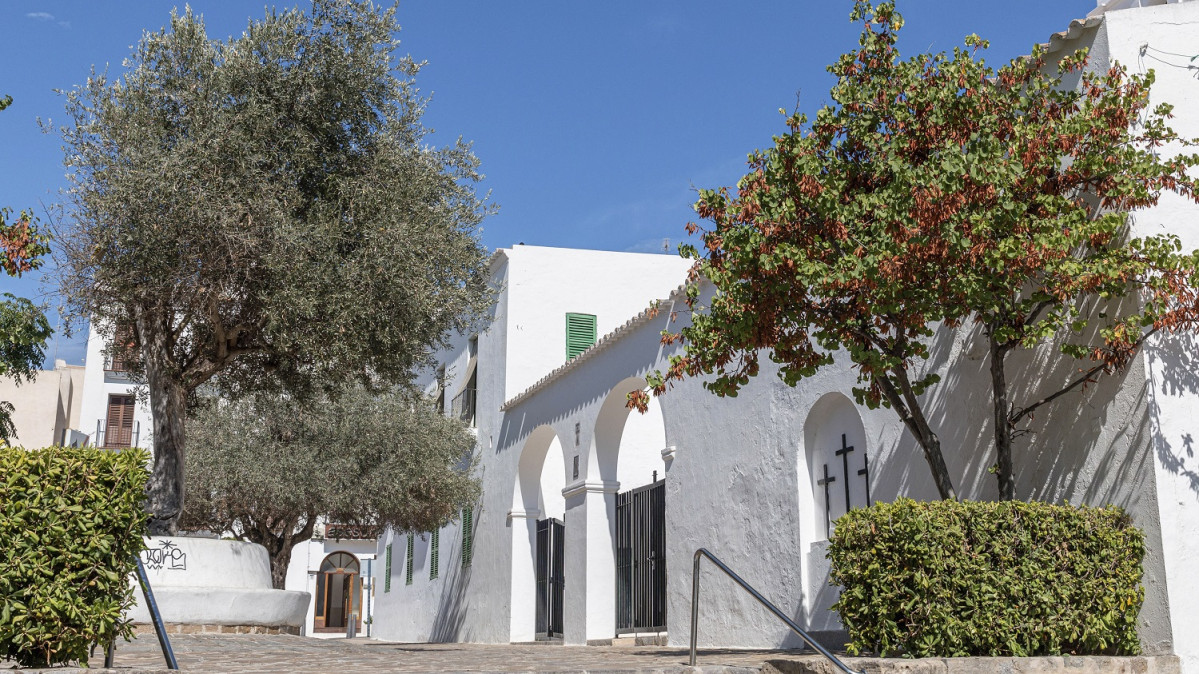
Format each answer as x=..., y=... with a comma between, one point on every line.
x=71, y=521
x=949, y=578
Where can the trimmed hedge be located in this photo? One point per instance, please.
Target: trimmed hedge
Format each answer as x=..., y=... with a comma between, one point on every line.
x=71, y=521
x=950, y=578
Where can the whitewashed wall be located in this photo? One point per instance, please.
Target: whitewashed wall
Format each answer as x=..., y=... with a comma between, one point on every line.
x=1143, y=39
x=741, y=472
x=525, y=341
x=98, y=385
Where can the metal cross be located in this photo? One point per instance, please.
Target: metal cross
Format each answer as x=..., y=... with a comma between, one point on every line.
x=844, y=454
x=828, y=507
x=865, y=473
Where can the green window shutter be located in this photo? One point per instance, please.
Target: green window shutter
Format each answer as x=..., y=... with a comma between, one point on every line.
x=467, y=535
x=434, y=540
x=408, y=572
x=387, y=571
x=580, y=333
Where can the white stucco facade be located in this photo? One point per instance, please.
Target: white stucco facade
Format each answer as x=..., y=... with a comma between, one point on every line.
x=526, y=340
x=744, y=476
x=100, y=384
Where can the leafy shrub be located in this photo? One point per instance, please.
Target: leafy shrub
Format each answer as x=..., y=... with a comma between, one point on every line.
x=950, y=578
x=71, y=521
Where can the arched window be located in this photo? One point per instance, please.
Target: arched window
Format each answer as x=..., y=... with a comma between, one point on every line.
x=340, y=562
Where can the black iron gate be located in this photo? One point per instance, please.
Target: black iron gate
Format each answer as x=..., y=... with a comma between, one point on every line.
x=641, y=559
x=550, y=548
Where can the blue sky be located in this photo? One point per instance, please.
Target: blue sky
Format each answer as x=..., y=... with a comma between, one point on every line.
x=594, y=121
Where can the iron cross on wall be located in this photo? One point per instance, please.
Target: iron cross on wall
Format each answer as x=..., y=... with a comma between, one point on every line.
x=846, y=448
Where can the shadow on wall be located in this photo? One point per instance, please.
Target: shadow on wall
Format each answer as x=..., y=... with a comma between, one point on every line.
x=451, y=607
x=1089, y=446
x=1176, y=357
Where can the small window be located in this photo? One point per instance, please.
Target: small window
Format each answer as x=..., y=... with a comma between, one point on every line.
x=118, y=428
x=468, y=535
x=408, y=573
x=434, y=540
x=387, y=570
x=580, y=333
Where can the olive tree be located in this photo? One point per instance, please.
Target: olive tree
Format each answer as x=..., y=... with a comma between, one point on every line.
x=268, y=467
x=268, y=208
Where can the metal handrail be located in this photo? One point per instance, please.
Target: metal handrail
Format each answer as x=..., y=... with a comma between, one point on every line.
x=703, y=552
x=164, y=642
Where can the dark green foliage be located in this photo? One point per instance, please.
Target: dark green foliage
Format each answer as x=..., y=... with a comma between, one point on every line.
x=71, y=522
x=951, y=578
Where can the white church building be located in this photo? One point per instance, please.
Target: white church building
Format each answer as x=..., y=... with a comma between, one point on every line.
x=590, y=513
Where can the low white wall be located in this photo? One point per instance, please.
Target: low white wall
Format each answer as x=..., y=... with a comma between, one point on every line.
x=214, y=582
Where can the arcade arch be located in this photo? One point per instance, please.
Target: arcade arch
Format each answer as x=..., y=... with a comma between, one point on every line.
x=626, y=455
x=537, y=495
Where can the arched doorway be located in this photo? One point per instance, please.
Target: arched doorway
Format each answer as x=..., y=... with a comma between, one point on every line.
x=628, y=453
x=537, y=521
x=338, y=592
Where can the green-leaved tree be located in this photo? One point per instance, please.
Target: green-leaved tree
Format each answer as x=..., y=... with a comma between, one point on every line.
x=267, y=468
x=24, y=329
x=938, y=190
x=267, y=208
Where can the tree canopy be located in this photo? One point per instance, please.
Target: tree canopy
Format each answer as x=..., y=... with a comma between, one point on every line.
x=267, y=208
x=24, y=329
x=268, y=467
x=936, y=191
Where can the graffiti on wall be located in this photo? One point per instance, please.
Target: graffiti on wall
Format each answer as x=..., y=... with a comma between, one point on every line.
x=167, y=555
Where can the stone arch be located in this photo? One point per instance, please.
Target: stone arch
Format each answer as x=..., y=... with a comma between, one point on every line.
x=834, y=447
x=537, y=494
x=626, y=450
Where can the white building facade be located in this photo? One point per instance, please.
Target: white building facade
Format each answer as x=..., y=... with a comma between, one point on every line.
x=758, y=479
x=111, y=413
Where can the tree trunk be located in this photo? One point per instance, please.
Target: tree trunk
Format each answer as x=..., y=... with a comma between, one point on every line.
x=907, y=406
x=280, y=559
x=164, y=491
x=1003, y=427
x=279, y=536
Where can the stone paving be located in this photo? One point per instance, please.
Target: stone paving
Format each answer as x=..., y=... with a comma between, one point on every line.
x=277, y=654
x=273, y=654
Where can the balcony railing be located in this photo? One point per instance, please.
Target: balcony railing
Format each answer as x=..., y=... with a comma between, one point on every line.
x=463, y=406
x=116, y=364
x=120, y=437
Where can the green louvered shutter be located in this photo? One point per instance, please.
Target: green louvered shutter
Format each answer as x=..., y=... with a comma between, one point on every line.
x=580, y=333
x=387, y=571
x=408, y=573
x=467, y=535
x=434, y=546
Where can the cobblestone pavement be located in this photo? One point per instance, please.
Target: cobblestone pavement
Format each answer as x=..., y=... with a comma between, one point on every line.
x=283, y=653
x=276, y=654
